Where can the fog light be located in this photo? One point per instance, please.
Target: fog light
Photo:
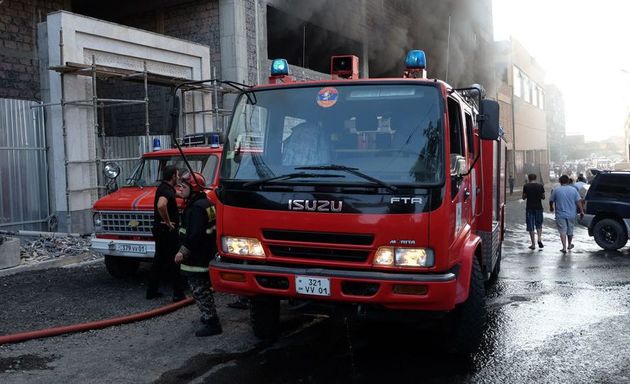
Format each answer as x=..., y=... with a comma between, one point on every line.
x=230, y=276
x=406, y=289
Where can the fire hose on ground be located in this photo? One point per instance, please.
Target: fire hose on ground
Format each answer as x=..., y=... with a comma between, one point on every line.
x=99, y=324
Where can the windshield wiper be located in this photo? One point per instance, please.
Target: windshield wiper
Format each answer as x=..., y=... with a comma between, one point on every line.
x=354, y=171
x=288, y=176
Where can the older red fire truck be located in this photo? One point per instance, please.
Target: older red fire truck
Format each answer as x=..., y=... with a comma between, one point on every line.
x=123, y=219
x=368, y=195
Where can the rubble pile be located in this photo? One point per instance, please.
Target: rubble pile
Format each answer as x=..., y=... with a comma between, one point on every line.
x=47, y=248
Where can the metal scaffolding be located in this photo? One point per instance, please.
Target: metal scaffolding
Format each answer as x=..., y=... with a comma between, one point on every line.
x=96, y=104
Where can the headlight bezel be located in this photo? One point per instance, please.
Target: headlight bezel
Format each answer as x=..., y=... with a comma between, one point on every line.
x=401, y=257
x=254, y=248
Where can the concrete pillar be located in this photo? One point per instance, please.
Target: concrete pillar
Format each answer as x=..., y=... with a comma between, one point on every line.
x=234, y=66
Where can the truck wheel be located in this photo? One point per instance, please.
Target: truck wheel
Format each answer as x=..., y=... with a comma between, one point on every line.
x=610, y=234
x=120, y=267
x=494, y=275
x=465, y=324
x=265, y=317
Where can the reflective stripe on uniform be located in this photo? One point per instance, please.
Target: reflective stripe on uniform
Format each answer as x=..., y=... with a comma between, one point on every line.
x=192, y=268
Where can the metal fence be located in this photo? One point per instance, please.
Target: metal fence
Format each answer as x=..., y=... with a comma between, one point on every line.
x=24, y=202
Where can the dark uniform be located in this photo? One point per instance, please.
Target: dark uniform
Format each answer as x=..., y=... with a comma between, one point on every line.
x=198, y=239
x=166, y=245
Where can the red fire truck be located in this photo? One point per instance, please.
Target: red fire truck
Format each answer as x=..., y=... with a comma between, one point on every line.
x=123, y=219
x=366, y=196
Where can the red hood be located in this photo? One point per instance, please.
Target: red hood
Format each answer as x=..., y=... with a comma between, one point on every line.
x=134, y=199
x=127, y=199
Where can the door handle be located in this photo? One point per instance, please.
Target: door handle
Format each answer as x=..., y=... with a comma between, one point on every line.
x=466, y=194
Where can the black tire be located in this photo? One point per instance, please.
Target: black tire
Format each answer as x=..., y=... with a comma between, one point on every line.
x=466, y=323
x=121, y=267
x=494, y=275
x=265, y=317
x=610, y=234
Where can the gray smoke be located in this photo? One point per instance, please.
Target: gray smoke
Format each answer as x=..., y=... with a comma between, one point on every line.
x=392, y=27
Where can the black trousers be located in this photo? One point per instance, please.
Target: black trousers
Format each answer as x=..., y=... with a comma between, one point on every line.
x=166, y=246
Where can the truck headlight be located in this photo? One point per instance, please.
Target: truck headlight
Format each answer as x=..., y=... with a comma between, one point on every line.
x=404, y=257
x=242, y=246
x=111, y=170
x=97, y=220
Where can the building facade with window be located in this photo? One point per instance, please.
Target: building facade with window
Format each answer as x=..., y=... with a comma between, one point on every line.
x=522, y=98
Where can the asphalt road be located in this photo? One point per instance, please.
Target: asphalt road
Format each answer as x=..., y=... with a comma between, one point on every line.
x=553, y=318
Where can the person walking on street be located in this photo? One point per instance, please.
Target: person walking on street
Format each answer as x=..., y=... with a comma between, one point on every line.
x=165, y=223
x=567, y=200
x=198, y=247
x=534, y=193
x=511, y=183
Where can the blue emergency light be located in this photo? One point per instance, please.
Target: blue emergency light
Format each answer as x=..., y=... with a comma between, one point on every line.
x=416, y=59
x=279, y=67
x=214, y=140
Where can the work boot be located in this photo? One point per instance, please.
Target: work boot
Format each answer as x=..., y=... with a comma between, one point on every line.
x=211, y=328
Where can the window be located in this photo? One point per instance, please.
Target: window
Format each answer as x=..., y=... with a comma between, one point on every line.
x=527, y=89
x=540, y=98
x=535, y=95
x=456, y=134
x=516, y=79
x=614, y=185
x=469, y=133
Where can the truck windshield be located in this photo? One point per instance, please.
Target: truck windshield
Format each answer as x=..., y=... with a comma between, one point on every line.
x=148, y=171
x=386, y=134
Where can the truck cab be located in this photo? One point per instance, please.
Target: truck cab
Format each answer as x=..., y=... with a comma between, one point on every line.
x=371, y=196
x=123, y=219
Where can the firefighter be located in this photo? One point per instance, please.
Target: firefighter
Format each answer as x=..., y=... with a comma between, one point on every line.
x=198, y=247
x=166, y=221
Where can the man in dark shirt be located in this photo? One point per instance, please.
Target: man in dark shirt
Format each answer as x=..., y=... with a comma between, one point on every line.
x=534, y=193
x=165, y=223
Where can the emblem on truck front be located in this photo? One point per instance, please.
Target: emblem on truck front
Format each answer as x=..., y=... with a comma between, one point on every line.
x=315, y=205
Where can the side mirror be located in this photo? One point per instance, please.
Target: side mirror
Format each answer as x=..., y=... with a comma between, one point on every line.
x=489, y=120
x=458, y=165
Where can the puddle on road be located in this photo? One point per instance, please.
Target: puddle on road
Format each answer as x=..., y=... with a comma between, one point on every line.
x=528, y=324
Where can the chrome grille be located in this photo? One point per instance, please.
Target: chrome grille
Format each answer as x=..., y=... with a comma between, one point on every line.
x=129, y=223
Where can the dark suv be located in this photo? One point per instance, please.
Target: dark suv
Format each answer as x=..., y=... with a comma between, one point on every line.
x=608, y=209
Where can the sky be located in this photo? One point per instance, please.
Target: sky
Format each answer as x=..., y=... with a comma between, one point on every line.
x=584, y=48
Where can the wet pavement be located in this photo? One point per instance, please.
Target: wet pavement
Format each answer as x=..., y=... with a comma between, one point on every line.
x=553, y=318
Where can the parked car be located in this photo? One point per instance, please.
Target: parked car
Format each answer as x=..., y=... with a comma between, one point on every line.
x=607, y=213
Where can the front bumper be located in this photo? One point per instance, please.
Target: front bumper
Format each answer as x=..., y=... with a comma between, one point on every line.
x=586, y=220
x=440, y=288
x=124, y=248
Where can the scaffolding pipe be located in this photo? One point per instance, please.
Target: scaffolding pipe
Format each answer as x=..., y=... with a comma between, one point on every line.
x=215, y=100
x=147, y=125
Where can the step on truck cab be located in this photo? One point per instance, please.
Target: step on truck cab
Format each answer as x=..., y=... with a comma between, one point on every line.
x=123, y=219
x=375, y=196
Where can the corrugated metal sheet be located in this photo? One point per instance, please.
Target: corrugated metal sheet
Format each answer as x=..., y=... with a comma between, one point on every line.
x=24, y=202
x=126, y=150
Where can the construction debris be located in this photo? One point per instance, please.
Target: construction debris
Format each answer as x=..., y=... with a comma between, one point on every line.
x=48, y=248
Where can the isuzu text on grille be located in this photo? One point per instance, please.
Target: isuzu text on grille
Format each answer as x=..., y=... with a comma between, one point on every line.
x=315, y=205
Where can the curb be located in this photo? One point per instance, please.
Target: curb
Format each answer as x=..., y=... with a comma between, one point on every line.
x=48, y=264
